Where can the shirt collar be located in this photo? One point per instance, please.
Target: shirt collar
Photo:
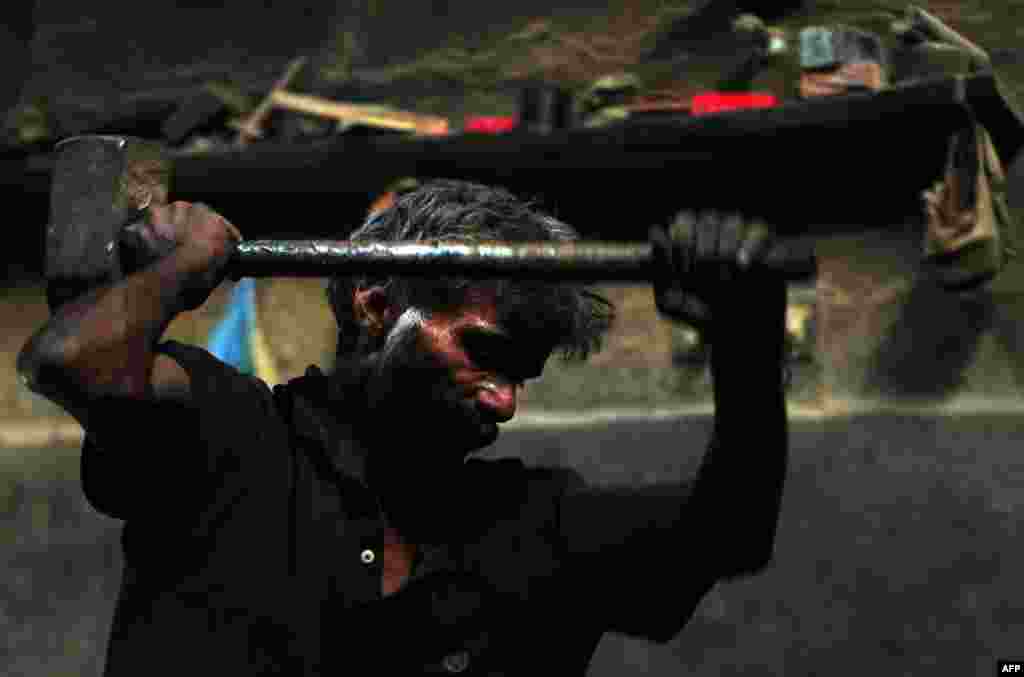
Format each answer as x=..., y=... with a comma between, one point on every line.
x=326, y=414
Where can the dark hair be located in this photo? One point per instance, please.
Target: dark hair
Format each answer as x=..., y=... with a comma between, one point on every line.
x=571, y=318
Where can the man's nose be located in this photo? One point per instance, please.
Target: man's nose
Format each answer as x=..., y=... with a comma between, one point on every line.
x=498, y=398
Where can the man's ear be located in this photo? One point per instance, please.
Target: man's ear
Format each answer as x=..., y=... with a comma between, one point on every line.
x=374, y=310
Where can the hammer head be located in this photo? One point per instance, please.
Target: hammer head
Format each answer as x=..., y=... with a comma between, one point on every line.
x=100, y=184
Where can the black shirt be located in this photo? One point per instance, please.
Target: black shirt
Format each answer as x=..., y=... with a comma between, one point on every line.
x=251, y=546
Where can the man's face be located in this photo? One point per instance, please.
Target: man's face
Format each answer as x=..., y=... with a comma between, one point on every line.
x=452, y=377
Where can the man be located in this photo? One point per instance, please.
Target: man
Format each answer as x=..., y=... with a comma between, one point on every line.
x=334, y=526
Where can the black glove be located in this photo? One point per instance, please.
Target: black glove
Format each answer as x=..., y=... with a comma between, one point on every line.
x=707, y=263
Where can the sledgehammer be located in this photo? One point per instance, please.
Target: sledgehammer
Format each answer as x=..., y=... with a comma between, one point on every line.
x=102, y=184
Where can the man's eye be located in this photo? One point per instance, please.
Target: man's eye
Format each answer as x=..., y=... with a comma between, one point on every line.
x=499, y=354
x=493, y=353
x=482, y=349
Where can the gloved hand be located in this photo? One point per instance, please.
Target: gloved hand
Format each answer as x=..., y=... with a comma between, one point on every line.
x=709, y=268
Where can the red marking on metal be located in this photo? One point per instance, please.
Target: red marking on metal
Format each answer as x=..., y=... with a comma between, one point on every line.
x=717, y=102
x=489, y=124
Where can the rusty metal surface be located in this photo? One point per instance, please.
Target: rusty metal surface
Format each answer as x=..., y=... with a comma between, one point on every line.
x=86, y=184
x=99, y=183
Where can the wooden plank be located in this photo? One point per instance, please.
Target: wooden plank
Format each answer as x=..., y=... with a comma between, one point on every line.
x=370, y=115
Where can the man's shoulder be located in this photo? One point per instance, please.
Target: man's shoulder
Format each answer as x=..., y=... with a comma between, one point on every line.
x=202, y=364
x=217, y=387
x=312, y=384
x=225, y=379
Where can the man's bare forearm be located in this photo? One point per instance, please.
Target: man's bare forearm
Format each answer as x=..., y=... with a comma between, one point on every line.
x=102, y=342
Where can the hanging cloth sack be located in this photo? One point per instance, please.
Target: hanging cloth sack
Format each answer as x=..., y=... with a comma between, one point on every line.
x=968, y=222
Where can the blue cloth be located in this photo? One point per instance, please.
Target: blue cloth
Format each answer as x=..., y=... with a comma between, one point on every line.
x=231, y=338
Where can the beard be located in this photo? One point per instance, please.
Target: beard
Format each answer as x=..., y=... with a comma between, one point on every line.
x=414, y=401
x=420, y=430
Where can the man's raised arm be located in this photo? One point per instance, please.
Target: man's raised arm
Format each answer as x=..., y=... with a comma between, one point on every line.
x=102, y=344
x=642, y=558
x=739, y=485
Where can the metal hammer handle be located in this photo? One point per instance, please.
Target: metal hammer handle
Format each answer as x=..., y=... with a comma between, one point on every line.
x=100, y=183
x=552, y=261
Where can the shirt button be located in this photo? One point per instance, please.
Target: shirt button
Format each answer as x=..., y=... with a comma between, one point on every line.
x=456, y=662
x=367, y=556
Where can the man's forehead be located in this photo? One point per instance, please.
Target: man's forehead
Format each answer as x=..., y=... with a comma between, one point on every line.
x=482, y=295
x=480, y=311
x=487, y=308
x=480, y=307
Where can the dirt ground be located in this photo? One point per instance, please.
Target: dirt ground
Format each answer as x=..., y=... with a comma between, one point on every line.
x=898, y=553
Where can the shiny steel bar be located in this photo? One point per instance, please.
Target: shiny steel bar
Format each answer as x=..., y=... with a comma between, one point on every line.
x=553, y=261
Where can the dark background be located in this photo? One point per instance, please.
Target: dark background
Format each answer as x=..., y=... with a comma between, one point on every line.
x=899, y=550
x=111, y=67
